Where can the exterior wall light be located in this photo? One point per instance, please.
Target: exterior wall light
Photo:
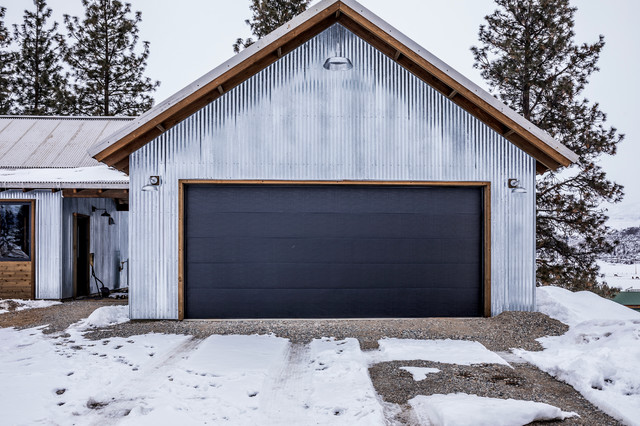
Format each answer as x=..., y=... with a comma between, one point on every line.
x=338, y=62
x=154, y=183
x=105, y=214
x=516, y=186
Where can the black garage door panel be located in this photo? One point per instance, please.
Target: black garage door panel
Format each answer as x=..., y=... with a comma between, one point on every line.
x=330, y=250
x=331, y=303
x=332, y=225
x=317, y=275
x=321, y=251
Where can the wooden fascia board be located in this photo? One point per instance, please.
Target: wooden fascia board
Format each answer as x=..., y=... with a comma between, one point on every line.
x=96, y=193
x=117, y=154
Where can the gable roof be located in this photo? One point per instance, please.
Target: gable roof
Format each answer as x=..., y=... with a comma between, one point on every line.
x=115, y=149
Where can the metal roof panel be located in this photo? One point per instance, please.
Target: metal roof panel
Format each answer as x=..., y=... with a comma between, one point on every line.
x=49, y=142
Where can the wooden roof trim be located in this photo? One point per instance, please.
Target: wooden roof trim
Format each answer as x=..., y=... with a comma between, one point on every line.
x=549, y=153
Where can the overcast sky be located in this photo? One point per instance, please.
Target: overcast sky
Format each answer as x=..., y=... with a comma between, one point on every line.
x=190, y=37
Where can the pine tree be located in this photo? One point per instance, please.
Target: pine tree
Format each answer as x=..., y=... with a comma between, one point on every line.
x=269, y=15
x=529, y=58
x=6, y=70
x=108, y=72
x=40, y=86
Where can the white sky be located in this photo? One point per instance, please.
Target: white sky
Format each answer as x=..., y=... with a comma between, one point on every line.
x=190, y=37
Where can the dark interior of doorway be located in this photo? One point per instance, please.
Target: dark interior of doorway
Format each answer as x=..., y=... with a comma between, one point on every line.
x=81, y=247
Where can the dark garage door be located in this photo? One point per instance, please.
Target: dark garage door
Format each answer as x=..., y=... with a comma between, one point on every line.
x=332, y=251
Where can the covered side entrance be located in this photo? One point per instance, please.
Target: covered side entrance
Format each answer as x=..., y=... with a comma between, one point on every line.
x=333, y=250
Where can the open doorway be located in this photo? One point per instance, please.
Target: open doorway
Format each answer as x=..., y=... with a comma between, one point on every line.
x=81, y=247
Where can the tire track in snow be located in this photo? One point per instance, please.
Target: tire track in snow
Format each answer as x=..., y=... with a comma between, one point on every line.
x=148, y=377
x=285, y=395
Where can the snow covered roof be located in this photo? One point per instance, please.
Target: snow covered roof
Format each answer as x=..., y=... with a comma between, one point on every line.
x=114, y=149
x=48, y=142
x=51, y=152
x=100, y=176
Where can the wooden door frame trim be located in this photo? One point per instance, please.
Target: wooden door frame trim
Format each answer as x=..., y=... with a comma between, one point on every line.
x=486, y=213
x=32, y=236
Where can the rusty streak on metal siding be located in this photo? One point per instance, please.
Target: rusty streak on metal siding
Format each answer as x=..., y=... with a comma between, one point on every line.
x=297, y=121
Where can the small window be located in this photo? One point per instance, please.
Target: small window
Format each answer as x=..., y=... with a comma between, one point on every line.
x=15, y=231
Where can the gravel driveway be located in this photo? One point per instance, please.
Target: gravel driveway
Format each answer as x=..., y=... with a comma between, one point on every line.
x=499, y=334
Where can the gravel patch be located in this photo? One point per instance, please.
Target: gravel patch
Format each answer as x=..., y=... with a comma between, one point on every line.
x=57, y=317
x=523, y=382
x=501, y=333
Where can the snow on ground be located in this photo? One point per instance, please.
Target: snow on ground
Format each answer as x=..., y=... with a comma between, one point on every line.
x=448, y=351
x=420, y=373
x=620, y=275
x=598, y=356
x=460, y=409
x=20, y=305
x=159, y=379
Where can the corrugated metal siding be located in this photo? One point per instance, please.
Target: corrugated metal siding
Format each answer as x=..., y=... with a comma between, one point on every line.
x=52, y=141
x=297, y=121
x=108, y=242
x=48, y=240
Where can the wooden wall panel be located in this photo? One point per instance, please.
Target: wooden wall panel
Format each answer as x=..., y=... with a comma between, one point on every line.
x=16, y=280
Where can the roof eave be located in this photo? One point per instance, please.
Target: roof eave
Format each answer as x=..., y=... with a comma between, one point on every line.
x=549, y=153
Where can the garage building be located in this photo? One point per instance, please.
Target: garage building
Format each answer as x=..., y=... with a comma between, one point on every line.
x=334, y=169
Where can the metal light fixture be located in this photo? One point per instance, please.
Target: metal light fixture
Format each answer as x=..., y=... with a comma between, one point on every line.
x=338, y=62
x=154, y=183
x=516, y=186
x=105, y=214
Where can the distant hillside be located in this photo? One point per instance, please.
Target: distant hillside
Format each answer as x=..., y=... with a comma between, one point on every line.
x=628, y=247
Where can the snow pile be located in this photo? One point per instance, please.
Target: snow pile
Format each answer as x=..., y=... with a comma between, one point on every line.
x=574, y=308
x=599, y=354
x=460, y=409
x=420, y=373
x=10, y=305
x=448, y=351
x=103, y=317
